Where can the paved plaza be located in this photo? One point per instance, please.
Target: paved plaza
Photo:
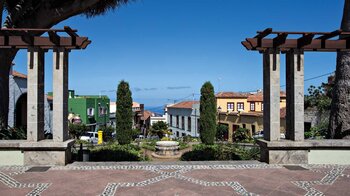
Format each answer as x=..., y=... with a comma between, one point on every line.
x=176, y=178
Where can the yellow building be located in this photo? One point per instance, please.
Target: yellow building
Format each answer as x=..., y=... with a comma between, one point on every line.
x=244, y=110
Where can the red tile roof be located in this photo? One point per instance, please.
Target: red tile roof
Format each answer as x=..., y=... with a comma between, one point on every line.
x=232, y=95
x=50, y=98
x=259, y=97
x=146, y=115
x=283, y=112
x=184, y=104
x=19, y=75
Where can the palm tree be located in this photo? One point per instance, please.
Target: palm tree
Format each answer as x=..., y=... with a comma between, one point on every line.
x=40, y=14
x=339, y=122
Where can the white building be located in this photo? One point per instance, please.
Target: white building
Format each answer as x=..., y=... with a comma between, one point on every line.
x=156, y=118
x=183, y=118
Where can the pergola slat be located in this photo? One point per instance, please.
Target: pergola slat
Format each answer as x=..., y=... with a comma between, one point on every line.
x=25, y=38
x=45, y=42
x=305, y=42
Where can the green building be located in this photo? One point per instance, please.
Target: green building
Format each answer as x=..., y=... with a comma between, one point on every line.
x=93, y=110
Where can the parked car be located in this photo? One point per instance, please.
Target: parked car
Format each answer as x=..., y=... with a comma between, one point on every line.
x=90, y=137
x=259, y=134
x=283, y=136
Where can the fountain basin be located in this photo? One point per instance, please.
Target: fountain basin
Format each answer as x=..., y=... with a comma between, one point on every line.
x=167, y=150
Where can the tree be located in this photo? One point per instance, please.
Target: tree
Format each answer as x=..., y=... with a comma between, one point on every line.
x=124, y=113
x=40, y=14
x=77, y=130
x=221, y=131
x=159, y=128
x=207, y=114
x=242, y=135
x=319, y=97
x=339, y=121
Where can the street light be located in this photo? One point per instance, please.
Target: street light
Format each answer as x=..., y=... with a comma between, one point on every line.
x=106, y=112
x=219, y=111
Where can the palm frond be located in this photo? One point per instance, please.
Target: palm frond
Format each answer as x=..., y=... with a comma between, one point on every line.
x=103, y=6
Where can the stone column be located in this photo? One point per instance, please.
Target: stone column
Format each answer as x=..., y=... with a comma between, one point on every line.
x=295, y=95
x=271, y=61
x=35, y=94
x=60, y=94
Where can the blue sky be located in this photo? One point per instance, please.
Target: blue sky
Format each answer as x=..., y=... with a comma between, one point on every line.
x=166, y=49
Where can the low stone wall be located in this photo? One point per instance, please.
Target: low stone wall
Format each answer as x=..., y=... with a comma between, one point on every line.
x=305, y=152
x=11, y=153
x=45, y=152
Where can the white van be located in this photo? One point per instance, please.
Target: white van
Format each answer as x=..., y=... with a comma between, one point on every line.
x=90, y=137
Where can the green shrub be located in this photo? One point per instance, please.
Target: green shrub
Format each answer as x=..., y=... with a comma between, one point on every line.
x=220, y=152
x=221, y=131
x=248, y=153
x=242, y=135
x=202, y=152
x=183, y=145
x=107, y=133
x=77, y=130
x=149, y=145
x=319, y=131
x=78, y=142
x=13, y=133
x=116, y=152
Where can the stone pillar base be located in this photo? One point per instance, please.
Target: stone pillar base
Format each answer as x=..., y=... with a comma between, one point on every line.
x=282, y=152
x=47, y=152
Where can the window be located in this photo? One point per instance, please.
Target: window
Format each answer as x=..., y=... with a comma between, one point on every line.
x=183, y=134
x=90, y=112
x=177, y=121
x=102, y=111
x=105, y=111
x=171, y=120
x=253, y=129
x=183, y=122
x=240, y=106
x=198, y=125
x=230, y=106
x=189, y=124
x=252, y=106
x=244, y=126
x=262, y=106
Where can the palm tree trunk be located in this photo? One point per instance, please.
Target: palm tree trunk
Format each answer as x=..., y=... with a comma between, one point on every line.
x=339, y=122
x=1, y=10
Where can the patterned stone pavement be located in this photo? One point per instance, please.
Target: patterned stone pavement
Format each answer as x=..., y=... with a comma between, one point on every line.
x=176, y=178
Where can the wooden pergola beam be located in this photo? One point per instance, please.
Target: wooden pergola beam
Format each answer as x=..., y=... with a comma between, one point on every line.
x=44, y=42
x=314, y=45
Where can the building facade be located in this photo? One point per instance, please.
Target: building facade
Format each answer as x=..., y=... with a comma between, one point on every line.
x=137, y=114
x=245, y=110
x=183, y=118
x=93, y=110
x=17, y=116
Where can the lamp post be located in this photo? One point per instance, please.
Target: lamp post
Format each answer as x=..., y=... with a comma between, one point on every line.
x=106, y=113
x=219, y=111
x=195, y=122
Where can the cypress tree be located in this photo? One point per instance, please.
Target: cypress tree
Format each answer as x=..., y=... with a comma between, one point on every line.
x=124, y=113
x=207, y=114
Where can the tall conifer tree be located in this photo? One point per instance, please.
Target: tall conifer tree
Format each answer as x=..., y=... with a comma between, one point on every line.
x=124, y=113
x=207, y=114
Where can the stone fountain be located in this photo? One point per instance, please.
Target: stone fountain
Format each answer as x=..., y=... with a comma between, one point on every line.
x=167, y=150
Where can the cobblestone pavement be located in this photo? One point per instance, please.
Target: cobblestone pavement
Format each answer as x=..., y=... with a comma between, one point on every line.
x=180, y=178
